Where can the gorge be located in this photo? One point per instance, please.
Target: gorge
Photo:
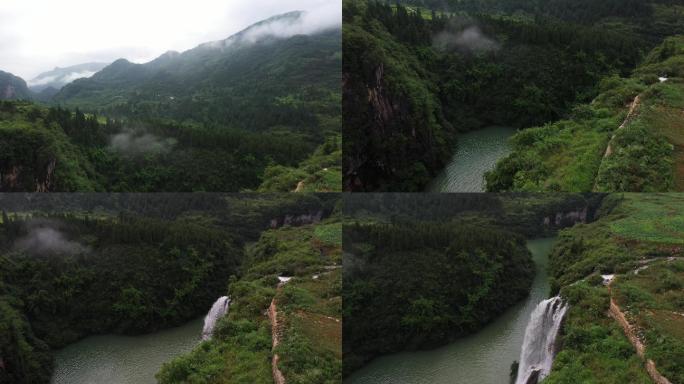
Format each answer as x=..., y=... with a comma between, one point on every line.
x=484, y=357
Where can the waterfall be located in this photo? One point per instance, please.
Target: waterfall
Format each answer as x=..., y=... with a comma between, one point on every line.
x=538, y=348
x=218, y=310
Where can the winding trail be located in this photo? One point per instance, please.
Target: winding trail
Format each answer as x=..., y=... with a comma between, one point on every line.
x=631, y=330
x=630, y=116
x=633, y=111
x=276, y=335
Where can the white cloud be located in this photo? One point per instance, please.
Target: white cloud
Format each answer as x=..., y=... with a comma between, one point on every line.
x=38, y=35
x=45, y=237
x=68, y=78
x=134, y=144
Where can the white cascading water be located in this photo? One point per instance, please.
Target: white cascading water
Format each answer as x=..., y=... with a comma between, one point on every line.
x=538, y=348
x=217, y=311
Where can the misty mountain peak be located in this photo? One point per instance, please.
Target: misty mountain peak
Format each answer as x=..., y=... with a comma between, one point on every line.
x=59, y=77
x=279, y=26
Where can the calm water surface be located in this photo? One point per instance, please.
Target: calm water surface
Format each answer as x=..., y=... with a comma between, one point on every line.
x=482, y=358
x=123, y=359
x=477, y=152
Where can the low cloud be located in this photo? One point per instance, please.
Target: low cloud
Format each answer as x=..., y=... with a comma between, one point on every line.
x=470, y=39
x=310, y=22
x=64, y=79
x=45, y=237
x=135, y=144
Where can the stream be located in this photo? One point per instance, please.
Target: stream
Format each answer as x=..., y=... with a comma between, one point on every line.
x=482, y=358
x=123, y=359
x=477, y=152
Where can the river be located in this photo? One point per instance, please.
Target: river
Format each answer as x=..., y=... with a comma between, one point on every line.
x=482, y=358
x=123, y=359
x=477, y=152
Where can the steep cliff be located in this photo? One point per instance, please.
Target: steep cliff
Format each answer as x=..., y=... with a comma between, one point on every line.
x=13, y=87
x=36, y=156
x=396, y=137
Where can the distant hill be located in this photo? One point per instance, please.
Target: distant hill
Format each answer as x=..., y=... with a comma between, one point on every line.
x=59, y=77
x=270, y=74
x=13, y=87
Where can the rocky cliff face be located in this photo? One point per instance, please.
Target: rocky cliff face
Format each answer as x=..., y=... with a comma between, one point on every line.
x=18, y=178
x=396, y=137
x=297, y=220
x=13, y=87
x=567, y=218
x=371, y=101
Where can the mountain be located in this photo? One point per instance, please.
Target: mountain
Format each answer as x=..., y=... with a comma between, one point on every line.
x=275, y=73
x=59, y=77
x=258, y=110
x=13, y=87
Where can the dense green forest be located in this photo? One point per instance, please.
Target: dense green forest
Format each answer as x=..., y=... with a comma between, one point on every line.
x=421, y=285
x=230, y=115
x=637, y=241
x=93, y=264
x=308, y=306
x=415, y=77
x=55, y=149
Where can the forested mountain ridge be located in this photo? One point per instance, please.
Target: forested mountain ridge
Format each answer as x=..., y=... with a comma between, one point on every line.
x=414, y=78
x=629, y=138
x=253, y=80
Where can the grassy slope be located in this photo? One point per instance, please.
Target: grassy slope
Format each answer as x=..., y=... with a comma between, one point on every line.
x=638, y=228
x=648, y=154
x=321, y=172
x=241, y=348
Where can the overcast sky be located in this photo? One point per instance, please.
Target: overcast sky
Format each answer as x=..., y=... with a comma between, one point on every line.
x=38, y=35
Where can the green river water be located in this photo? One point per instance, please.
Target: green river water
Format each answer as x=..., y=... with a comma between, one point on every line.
x=481, y=358
x=477, y=152
x=115, y=359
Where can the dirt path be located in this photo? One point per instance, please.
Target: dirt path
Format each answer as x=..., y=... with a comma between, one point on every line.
x=631, y=333
x=300, y=187
x=630, y=116
x=276, y=334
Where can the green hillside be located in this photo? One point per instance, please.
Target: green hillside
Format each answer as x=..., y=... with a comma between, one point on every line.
x=638, y=239
x=308, y=313
x=629, y=138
